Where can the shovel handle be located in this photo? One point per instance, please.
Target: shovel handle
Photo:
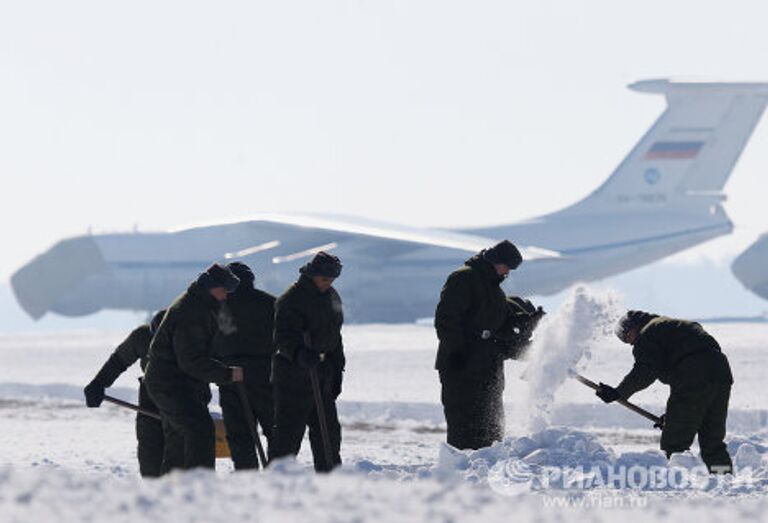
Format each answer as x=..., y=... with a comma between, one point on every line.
x=127, y=405
x=631, y=406
x=251, y=420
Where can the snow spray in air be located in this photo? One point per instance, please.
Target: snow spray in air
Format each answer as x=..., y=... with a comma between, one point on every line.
x=563, y=340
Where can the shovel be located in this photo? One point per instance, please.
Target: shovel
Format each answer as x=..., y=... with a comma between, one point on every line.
x=658, y=422
x=251, y=419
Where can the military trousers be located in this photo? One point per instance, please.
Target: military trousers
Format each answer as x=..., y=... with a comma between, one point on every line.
x=295, y=410
x=149, y=435
x=698, y=409
x=473, y=406
x=190, y=436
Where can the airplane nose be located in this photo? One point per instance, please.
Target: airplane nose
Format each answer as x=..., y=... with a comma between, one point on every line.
x=42, y=282
x=750, y=268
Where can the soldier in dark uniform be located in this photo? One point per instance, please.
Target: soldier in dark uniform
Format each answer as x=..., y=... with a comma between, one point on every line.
x=246, y=323
x=684, y=356
x=308, y=319
x=478, y=327
x=181, y=366
x=149, y=431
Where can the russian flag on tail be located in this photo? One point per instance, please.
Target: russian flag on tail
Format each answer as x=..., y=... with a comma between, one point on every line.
x=674, y=150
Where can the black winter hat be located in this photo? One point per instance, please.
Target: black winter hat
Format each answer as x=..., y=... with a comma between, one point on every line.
x=504, y=252
x=323, y=264
x=632, y=320
x=218, y=276
x=242, y=271
x=156, y=321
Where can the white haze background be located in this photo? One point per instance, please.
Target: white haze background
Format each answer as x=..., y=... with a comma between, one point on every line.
x=150, y=115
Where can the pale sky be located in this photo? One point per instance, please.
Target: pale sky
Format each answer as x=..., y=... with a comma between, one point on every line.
x=441, y=113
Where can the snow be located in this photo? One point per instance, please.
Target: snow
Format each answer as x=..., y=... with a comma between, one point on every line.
x=563, y=340
x=569, y=456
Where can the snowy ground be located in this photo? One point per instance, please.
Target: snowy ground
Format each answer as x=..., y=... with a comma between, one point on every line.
x=61, y=461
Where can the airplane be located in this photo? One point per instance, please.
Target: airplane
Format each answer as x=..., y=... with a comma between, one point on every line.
x=664, y=197
x=751, y=267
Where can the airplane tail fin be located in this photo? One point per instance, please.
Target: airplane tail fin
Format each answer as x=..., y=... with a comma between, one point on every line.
x=688, y=154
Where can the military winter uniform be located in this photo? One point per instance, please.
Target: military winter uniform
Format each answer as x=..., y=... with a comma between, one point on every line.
x=179, y=371
x=307, y=319
x=247, y=324
x=478, y=328
x=682, y=355
x=149, y=431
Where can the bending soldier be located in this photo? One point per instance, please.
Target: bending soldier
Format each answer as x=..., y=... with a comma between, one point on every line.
x=181, y=367
x=149, y=431
x=684, y=356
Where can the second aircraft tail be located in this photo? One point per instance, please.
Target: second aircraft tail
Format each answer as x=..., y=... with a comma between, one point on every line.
x=688, y=154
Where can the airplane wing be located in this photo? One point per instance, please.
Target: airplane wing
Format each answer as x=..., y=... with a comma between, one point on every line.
x=327, y=231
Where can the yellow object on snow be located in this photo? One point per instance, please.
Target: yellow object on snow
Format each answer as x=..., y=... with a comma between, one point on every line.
x=222, y=448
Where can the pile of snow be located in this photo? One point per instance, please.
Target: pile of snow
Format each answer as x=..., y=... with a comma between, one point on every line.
x=563, y=342
x=484, y=485
x=568, y=460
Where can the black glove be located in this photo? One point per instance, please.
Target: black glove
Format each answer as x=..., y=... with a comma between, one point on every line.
x=660, y=424
x=94, y=394
x=307, y=358
x=607, y=393
x=94, y=391
x=522, y=303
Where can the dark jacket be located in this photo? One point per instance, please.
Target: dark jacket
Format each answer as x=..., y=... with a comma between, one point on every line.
x=135, y=347
x=182, y=347
x=678, y=353
x=304, y=309
x=471, y=301
x=246, y=329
